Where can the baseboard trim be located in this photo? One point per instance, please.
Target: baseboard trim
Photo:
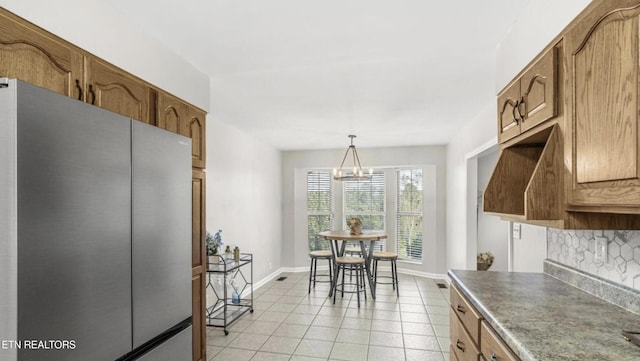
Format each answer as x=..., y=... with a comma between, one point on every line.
x=435, y=276
x=268, y=278
x=300, y=269
x=409, y=272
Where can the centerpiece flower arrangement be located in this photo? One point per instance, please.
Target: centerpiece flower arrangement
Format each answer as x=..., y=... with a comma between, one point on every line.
x=485, y=260
x=213, y=244
x=355, y=226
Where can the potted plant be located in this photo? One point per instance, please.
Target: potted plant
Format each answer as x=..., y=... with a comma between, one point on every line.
x=213, y=244
x=485, y=260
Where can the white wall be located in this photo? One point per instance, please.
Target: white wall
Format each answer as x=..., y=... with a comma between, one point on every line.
x=99, y=29
x=530, y=250
x=244, y=191
x=492, y=231
x=478, y=132
x=295, y=164
x=537, y=24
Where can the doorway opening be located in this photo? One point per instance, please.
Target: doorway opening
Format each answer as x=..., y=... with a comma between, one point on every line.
x=485, y=232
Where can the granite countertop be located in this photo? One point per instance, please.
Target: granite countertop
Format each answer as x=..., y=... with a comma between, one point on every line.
x=544, y=319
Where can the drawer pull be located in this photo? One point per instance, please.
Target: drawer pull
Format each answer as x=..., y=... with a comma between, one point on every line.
x=494, y=357
x=461, y=309
x=516, y=108
x=80, y=94
x=460, y=345
x=93, y=95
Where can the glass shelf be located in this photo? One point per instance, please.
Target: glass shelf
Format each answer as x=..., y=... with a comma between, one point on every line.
x=223, y=277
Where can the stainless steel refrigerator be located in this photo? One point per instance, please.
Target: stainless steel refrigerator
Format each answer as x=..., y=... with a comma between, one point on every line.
x=95, y=233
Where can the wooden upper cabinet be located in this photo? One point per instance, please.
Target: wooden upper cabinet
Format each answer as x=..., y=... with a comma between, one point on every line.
x=508, y=117
x=198, y=219
x=602, y=94
x=111, y=88
x=28, y=53
x=530, y=99
x=179, y=117
x=172, y=114
x=538, y=92
x=197, y=132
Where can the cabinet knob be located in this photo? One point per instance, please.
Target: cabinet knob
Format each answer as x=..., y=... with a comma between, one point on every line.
x=80, y=92
x=494, y=357
x=461, y=309
x=515, y=109
x=460, y=345
x=93, y=95
x=521, y=114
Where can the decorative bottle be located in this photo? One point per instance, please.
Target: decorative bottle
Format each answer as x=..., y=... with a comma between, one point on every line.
x=236, y=254
x=228, y=254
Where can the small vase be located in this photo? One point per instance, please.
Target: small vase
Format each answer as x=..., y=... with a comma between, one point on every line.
x=235, y=298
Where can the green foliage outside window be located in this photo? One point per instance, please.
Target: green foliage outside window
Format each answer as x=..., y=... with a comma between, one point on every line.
x=319, y=210
x=409, y=214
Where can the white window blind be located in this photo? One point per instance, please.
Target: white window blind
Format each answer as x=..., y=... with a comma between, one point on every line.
x=366, y=200
x=319, y=207
x=409, y=214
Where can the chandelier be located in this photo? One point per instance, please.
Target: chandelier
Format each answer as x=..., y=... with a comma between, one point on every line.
x=357, y=174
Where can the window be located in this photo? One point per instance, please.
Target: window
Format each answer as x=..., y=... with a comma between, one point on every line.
x=319, y=207
x=409, y=214
x=366, y=200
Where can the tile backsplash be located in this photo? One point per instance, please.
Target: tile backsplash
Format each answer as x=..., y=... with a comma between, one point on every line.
x=576, y=248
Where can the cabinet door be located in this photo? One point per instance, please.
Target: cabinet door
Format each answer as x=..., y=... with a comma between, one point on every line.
x=30, y=54
x=508, y=118
x=198, y=264
x=172, y=114
x=602, y=94
x=179, y=117
x=110, y=88
x=199, y=331
x=197, y=132
x=538, y=89
x=462, y=345
x=198, y=218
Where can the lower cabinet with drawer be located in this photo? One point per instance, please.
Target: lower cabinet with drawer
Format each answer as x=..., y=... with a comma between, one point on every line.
x=492, y=346
x=464, y=347
x=471, y=336
x=464, y=328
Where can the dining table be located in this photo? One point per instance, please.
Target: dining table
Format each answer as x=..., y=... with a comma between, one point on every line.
x=337, y=249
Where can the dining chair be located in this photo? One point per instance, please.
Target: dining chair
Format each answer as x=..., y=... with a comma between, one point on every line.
x=392, y=257
x=313, y=271
x=356, y=264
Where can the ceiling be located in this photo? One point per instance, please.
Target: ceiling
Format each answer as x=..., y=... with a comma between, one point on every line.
x=303, y=74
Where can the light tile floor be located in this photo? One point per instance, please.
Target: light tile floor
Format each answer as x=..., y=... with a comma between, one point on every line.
x=289, y=324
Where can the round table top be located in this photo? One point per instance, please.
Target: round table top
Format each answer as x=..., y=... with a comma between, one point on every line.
x=346, y=236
